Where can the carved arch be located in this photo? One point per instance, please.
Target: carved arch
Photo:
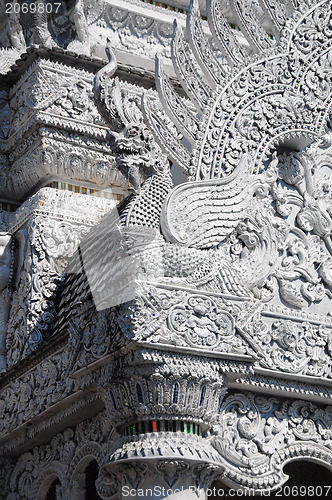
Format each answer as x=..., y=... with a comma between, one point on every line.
x=45, y=478
x=88, y=452
x=258, y=436
x=309, y=451
x=44, y=487
x=31, y=476
x=276, y=477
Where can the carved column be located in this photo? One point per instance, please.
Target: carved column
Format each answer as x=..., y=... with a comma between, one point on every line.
x=162, y=407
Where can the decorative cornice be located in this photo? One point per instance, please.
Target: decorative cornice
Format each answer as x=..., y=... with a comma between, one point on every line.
x=284, y=387
x=54, y=345
x=66, y=413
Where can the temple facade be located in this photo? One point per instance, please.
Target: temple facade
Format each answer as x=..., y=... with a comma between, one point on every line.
x=165, y=249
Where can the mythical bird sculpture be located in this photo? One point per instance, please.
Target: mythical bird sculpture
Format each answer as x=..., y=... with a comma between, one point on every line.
x=202, y=262
x=236, y=261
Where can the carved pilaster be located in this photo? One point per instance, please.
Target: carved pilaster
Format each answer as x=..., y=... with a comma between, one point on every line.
x=50, y=225
x=6, y=265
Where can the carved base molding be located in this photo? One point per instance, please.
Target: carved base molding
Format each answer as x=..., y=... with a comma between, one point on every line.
x=177, y=479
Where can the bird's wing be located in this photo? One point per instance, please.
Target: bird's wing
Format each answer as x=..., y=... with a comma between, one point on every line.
x=201, y=214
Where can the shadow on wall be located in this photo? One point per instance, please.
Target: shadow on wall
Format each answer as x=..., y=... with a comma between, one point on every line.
x=307, y=480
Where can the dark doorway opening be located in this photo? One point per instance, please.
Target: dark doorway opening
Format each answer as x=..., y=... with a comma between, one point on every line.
x=91, y=474
x=51, y=494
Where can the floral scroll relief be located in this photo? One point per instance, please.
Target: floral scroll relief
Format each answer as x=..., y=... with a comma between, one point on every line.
x=181, y=318
x=257, y=435
x=292, y=346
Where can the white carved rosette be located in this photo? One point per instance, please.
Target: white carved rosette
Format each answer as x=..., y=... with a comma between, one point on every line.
x=179, y=316
x=200, y=322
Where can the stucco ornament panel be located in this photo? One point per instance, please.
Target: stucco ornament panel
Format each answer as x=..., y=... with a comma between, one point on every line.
x=52, y=92
x=205, y=325
x=82, y=26
x=258, y=434
x=133, y=32
x=87, y=342
x=48, y=25
x=30, y=394
x=65, y=457
x=48, y=229
x=51, y=128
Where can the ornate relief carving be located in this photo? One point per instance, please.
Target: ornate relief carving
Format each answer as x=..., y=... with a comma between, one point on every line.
x=258, y=434
x=71, y=140
x=87, y=340
x=155, y=117
x=186, y=68
x=80, y=27
x=224, y=37
x=30, y=394
x=57, y=223
x=135, y=33
x=277, y=12
x=250, y=25
x=238, y=268
x=272, y=84
x=47, y=88
x=46, y=24
x=275, y=431
x=296, y=347
x=177, y=109
x=201, y=322
x=62, y=458
x=180, y=318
